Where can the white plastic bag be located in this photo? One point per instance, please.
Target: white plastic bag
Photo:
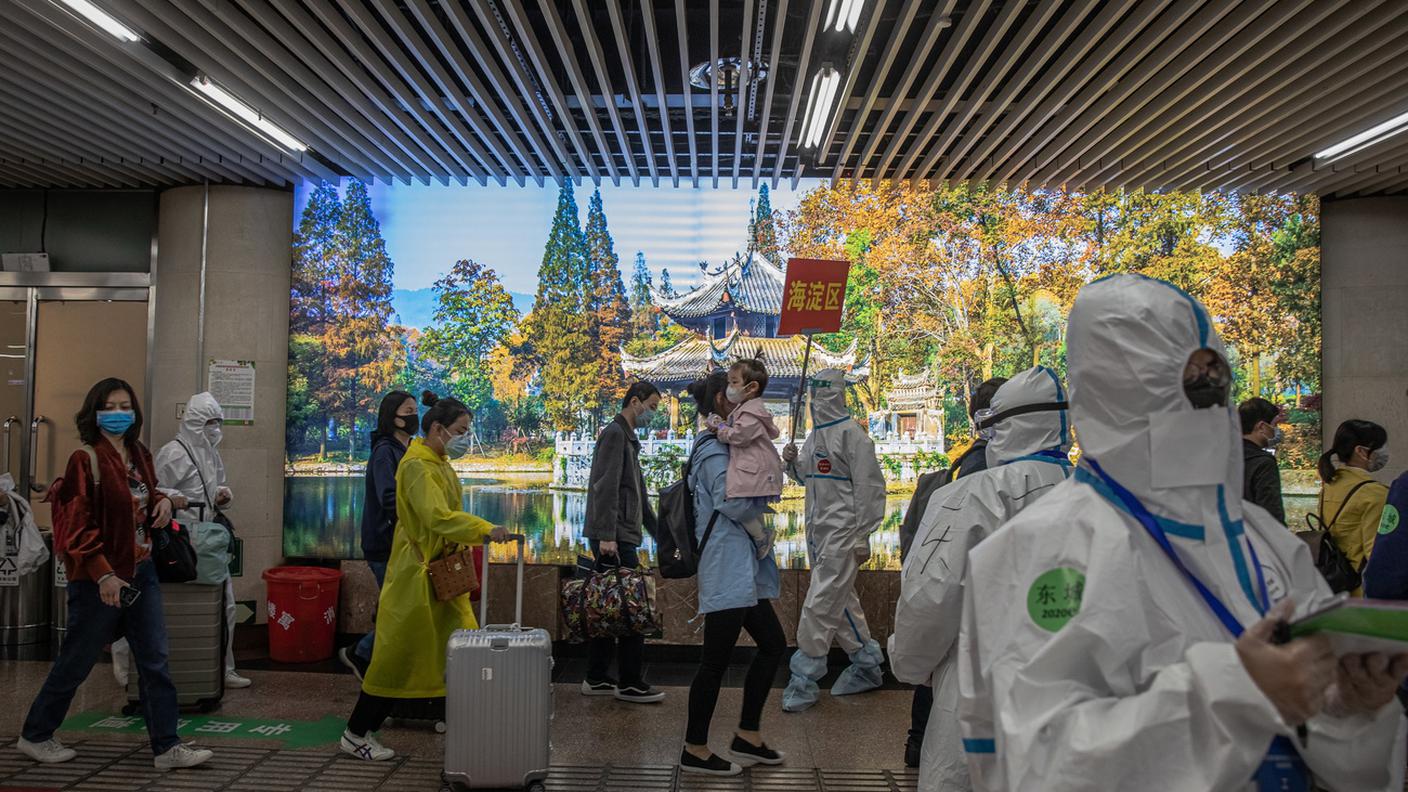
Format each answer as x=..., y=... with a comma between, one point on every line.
x=33, y=553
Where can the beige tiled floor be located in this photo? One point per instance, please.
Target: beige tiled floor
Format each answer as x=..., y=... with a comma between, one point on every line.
x=861, y=733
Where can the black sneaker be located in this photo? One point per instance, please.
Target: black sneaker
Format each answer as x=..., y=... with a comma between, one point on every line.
x=913, y=749
x=354, y=661
x=714, y=765
x=748, y=754
x=640, y=694
x=604, y=688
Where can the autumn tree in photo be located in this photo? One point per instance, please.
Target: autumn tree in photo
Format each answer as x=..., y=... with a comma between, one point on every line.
x=474, y=315
x=364, y=357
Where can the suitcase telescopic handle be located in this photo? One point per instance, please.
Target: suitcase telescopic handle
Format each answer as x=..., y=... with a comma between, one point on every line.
x=520, y=540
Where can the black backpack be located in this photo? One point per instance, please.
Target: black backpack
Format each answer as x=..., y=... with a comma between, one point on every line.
x=1333, y=564
x=677, y=551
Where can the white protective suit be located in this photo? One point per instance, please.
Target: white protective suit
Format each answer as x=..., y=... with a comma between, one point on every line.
x=1027, y=456
x=845, y=505
x=1088, y=659
x=180, y=472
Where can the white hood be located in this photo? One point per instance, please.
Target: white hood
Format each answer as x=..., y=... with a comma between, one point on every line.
x=201, y=408
x=827, y=390
x=1031, y=432
x=1128, y=342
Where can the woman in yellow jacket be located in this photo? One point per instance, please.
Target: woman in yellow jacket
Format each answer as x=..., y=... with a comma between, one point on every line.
x=1351, y=501
x=412, y=627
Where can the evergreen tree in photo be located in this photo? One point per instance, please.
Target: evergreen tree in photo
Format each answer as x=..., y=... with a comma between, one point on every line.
x=609, y=314
x=557, y=334
x=666, y=288
x=314, y=264
x=364, y=353
x=645, y=319
x=764, y=229
x=474, y=315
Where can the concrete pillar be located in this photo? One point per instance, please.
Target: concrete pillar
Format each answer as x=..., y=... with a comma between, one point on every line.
x=1364, y=283
x=248, y=249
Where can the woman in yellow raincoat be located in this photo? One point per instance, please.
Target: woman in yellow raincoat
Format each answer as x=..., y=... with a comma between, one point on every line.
x=412, y=626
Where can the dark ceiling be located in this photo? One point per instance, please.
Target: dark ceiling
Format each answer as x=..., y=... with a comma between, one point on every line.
x=1156, y=94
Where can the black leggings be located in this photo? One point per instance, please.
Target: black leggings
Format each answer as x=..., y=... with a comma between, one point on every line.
x=721, y=630
x=369, y=713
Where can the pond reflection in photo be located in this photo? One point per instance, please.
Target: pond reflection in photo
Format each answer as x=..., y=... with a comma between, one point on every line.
x=322, y=519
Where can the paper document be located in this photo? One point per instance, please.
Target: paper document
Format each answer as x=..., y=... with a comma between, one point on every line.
x=1359, y=625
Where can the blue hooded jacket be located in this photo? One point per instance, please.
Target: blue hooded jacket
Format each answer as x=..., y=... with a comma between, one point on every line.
x=730, y=573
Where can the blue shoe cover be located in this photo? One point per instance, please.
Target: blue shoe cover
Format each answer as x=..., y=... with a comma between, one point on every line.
x=800, y=695
x=863, y=674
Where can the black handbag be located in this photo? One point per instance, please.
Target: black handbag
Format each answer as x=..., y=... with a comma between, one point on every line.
x=173, y=554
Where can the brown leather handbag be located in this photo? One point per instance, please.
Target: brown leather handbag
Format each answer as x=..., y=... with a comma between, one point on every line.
x=452, y=575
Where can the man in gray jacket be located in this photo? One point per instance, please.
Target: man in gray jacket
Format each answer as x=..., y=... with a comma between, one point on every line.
x=618, y=508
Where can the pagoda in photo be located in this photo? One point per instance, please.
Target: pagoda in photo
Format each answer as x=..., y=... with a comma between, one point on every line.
x=734, y=314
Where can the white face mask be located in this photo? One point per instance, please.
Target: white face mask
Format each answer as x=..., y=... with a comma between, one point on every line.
x=214, y=434
x=457, y=446
x=735, y=395
x=1378, y=460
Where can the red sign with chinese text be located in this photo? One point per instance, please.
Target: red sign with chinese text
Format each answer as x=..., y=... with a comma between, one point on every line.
x=813, y=296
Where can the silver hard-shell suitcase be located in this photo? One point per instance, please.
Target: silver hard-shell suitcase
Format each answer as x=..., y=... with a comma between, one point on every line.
x=195, y=640
x=498, y=703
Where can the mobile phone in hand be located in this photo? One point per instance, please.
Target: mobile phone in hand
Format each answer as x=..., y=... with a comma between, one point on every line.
x=128, y=596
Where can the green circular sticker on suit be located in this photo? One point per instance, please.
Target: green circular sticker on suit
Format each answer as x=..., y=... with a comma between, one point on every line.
x=1054, y=597
x=1389, y=521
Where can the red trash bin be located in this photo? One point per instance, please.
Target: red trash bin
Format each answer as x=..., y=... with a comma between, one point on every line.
x=302, y=612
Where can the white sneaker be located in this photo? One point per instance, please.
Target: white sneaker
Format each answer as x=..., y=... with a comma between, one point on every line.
x=235, y=682
x=121, y=653
x=365, y=748
x=48, y=752
x=180, y=756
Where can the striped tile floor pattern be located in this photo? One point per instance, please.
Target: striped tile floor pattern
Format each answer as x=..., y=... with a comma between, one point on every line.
x=107, y=766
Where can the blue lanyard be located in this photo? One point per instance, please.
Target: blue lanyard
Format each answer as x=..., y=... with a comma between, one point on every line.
x=1151, y=525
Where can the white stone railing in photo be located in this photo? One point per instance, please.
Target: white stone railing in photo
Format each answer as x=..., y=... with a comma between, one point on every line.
x=573, y=462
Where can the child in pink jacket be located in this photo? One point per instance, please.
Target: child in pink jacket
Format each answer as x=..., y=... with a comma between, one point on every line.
x=754, y=468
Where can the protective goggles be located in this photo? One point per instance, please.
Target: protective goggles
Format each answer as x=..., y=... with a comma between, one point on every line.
x=985, y=421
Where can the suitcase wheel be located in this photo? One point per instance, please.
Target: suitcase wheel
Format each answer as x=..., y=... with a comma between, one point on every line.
x=439, y=727
x=131, y=708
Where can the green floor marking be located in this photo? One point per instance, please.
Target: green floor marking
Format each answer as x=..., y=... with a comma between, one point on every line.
x=292, y=733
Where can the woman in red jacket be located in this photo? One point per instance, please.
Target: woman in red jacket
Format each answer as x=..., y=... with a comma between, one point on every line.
x=105, y=547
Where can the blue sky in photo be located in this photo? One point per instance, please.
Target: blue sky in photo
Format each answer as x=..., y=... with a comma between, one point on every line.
x=428, y=227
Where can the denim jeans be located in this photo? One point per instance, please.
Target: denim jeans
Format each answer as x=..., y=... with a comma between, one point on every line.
x=630, y=649
x=91, y=624
x=364, y=646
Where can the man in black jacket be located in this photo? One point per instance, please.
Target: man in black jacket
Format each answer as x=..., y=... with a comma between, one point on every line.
x=1260, y=475
x=970, y=461
x=618, y=508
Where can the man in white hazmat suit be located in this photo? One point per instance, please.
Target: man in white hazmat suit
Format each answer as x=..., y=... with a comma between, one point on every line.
x=845, y=505
x=191, y=467
x=1027, y=455
x=1119, y=633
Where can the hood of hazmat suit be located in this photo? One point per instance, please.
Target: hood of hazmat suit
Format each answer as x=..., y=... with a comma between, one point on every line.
x=1088, y=659
x=1027, y=457
x=845, y=505
x=190, y=464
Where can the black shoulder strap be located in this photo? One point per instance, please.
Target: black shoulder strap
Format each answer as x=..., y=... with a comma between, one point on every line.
x=708, y=529
x=204, y=488
x=1343, y=503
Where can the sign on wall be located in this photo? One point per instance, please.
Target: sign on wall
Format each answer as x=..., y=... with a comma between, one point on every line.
x=231, y=382
x=813, y=297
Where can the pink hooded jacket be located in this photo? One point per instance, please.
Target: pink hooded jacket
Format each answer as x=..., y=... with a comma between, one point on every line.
x=754, y=468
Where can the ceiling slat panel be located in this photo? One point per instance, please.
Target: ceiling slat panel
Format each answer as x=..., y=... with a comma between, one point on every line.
x=1152, y=94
